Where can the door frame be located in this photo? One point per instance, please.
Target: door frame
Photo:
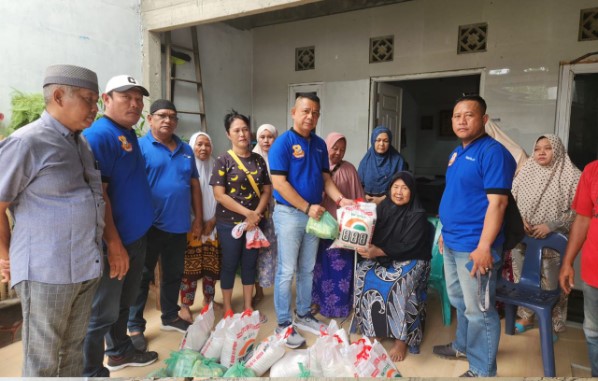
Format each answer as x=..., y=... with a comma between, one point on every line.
x=564, y=94
x=404, y=77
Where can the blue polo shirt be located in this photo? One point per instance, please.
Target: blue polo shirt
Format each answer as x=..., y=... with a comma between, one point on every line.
x=169, y=174
x=119, y=159
x=483, y=167
x=302, y=161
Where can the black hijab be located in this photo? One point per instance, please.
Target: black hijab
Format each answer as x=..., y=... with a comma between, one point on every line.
x=402, y=232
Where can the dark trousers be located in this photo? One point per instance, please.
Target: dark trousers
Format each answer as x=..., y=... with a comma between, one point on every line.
x=110, y=312
x=233, y=253
x=169, y=248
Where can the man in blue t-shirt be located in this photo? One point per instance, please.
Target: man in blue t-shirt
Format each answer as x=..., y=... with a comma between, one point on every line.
x=176, y=196
x=300, y=174
x=478, y=180
x=129, y=215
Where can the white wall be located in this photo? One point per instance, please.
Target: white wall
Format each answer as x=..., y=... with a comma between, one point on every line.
x=102, y=35
x=521, y=35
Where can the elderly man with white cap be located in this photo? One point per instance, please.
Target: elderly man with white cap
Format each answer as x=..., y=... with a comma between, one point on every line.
x=50, y=184
x=129, y=215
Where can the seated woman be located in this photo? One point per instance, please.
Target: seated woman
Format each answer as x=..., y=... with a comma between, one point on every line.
x=392, y=278
x=544, y=190
x=242, y=189
x=380, y=163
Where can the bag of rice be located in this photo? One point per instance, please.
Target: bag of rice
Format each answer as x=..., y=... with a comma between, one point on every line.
x=291, y=364
x=240, y=337
x=268, y=352
x=213, y=346
x=199, y=331
x=356, y=226
x=374, y=361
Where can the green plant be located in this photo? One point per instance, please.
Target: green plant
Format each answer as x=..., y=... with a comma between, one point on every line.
x=25, y=108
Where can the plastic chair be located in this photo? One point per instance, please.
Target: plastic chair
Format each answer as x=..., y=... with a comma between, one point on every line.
x=528, y=293
x=437, y=279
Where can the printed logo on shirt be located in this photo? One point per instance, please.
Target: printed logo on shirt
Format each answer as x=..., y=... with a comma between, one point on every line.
x=469, y=158
x=452, y=159
x=125, y=144
x=298, y=151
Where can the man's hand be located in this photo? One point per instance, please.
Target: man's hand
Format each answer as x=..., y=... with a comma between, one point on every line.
x=567, y=277
x=208, y=227
x=118, y=259
x=316, y=211
x=482, y=260
x=196, y=228
x=5, y=270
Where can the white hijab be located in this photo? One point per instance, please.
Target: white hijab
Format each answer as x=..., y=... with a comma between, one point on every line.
x=257, y=148
x=204, y=167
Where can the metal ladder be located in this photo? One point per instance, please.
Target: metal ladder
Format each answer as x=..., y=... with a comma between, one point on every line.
x=171, y=77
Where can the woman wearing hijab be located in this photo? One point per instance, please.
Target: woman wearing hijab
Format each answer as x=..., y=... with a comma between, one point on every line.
x=392, y=278
x=266, y=259
x=379, y=164
x=202, y=258
x=544, y=189
x=332, y=292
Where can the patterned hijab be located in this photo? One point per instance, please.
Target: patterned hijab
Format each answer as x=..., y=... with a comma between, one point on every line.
x=544, y=193
x=204, y=167
x=376, y=170
x=257, y=148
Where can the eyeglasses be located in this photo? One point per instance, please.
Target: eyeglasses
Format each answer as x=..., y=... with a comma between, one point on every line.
x=173, y=118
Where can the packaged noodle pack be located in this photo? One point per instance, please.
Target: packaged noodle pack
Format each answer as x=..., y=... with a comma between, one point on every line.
x=356, y=225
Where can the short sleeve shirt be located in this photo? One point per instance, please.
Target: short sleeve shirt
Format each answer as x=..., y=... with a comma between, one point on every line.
x=227, y=174
x=55, y=193
x=585, y=203
x=482, y=167
x=118, y=155
x=169, y=174
x=302, y=161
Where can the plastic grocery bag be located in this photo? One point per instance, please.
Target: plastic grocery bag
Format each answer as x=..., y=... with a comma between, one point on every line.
x=268, y=352
x=197, y=334
x=374, y=361
x=208, y=368
x=356, y=226
x=326, y=227
x=291, y=364
x=239, y=370
x=254, y=238
x=328, y=358
x=184, y=360
x=158, y=373
x=240, y=337
x=213, y=346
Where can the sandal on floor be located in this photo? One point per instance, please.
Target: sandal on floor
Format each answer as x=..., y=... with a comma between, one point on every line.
x=520, y=328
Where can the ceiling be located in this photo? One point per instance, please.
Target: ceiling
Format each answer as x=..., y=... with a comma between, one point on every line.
x=307, y=11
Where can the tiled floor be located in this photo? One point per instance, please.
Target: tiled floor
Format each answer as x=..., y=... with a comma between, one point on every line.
x=519, y=355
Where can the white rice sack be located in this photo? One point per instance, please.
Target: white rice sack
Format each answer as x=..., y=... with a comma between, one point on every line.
x=356, y=226
x=240, y=337
x=213, y=346
x=288, y=365
x=197, y=334
x=326, y=359
x=268, y=352
x=334, y=330
x=374, y=361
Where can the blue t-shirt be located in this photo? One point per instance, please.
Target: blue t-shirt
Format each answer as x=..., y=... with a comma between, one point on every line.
x=302, y=161
x=118, y=156
x=169, y=174
x=483, y=167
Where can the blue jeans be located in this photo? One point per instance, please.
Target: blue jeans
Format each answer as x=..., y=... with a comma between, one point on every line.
x=110, y=312
x=234, y=252
x=170, y=249
x=297, y=251
x=478, y=332
x=590, y=324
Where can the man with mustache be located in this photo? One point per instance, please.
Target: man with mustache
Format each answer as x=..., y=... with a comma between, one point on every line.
x=129, y=215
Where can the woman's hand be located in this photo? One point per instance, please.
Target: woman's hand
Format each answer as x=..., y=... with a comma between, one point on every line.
x=527, y=228
x=540, y=231
x=375, y=200
x=440, y=244
x=253, y=219
x=208, y=226
x=370, y=253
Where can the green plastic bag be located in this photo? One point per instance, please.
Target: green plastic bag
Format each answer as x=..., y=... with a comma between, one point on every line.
x=238, y=370
x=158, y=373
x=208, y=368
x=185, y=360
x=326, y=227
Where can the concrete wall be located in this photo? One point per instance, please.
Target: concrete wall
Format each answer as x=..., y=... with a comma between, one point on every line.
x=521, y=35
x=102, y=35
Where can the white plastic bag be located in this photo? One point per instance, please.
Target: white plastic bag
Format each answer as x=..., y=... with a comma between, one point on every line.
x=213, y=346
x=288, y=365
x=240, y=337
x=327, y=358
x=254, y=239
x=356, y=226
x=374, y=361
x=268, y=352
x=197, y=334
